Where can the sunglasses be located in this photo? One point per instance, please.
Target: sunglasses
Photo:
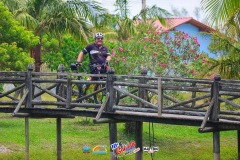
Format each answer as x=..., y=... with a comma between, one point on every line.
x=99, y=38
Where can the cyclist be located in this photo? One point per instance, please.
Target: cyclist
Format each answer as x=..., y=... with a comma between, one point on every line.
x=98, y=54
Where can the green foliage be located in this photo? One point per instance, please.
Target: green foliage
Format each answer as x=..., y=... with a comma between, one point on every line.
x=229, y=60
x=66, y=54
x=15, y=42
x=172, y=53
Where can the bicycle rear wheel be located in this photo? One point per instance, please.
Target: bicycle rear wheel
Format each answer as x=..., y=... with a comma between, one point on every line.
x=98, y=97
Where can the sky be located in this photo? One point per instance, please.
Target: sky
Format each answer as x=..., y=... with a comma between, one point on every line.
x=136, y=5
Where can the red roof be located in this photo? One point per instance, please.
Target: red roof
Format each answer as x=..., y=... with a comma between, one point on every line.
x=171, y=23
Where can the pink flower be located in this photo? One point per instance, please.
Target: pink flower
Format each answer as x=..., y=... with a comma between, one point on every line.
x=113, y=52
x=171, y=50
x=144, y=47
x=193, y=71
x=145, y=39
x=162, y=64
x=154, y=54
x=166, y=30
x=121, y=49
x=204, y=60
x=212, y=77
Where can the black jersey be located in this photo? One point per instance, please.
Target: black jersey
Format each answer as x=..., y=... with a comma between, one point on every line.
x=96, y=54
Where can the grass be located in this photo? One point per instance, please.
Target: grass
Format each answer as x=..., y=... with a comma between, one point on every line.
x=174, y=142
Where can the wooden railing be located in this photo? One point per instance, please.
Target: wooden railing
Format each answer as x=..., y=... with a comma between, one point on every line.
x=213, y=99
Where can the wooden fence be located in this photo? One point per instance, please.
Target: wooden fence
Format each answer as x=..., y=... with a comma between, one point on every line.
x=215, y=103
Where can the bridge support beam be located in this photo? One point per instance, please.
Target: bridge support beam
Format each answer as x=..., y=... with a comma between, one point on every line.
x=214, y=116
x=216, y=145
x=238, y=142
x=59, y=138
x=26, y=138
x=113, y=138
x=139, y=125
x=109, y=108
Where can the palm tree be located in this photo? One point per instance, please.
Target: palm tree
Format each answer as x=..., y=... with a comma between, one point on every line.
x=55, y=17
x=225, y=15
x=126, y=27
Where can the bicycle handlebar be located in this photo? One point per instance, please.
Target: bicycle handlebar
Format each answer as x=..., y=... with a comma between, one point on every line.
x=74, y=67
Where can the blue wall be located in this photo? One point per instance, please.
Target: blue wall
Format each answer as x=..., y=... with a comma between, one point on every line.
x=203, y=39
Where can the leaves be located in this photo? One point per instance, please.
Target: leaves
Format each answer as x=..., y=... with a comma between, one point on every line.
x=15, y=42
x=166, y=53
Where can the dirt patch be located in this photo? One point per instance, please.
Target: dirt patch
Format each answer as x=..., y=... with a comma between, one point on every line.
x=4, y=149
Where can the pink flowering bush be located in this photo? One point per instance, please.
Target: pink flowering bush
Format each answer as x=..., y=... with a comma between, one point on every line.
x=167, y=53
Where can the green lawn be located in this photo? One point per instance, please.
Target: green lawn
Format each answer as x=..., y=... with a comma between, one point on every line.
x=174, y=142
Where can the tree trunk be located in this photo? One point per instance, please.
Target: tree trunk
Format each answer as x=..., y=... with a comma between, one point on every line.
x=36, y=54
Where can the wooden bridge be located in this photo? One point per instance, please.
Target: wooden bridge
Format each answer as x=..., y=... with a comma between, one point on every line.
x=210, y=104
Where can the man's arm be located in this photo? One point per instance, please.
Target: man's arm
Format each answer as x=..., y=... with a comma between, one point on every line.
x=108, y=58
x=80, y=57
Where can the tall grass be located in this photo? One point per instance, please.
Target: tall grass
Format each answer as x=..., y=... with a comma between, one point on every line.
x=174, y=142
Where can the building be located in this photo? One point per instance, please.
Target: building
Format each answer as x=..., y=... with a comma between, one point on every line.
x=192, y=27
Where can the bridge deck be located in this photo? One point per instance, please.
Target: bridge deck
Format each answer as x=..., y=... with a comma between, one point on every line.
x=123, y=116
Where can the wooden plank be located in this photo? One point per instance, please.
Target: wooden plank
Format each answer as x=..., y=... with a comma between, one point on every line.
x=175, y=100
x=134, y=109
x=42, y=92
x=102, y=107
x=50, y=93
x=137, y=98
x=88, y=82
x=209, y=110
x=8, y=74
x=188, y=101
x=42, y=80
x=229, y=102
x=20, y=102
x=88, y=95
x=12, y=90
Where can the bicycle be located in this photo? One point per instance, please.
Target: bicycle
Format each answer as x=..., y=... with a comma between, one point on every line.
x=99, y=90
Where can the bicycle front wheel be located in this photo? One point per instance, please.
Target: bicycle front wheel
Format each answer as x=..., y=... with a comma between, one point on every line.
x=98, y=97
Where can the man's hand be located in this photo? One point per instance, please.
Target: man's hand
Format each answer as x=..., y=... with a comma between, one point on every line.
x=78, y=64
x=107, y=63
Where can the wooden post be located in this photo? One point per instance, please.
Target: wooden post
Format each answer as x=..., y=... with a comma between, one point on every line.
x=238, y=142
x=69, y=92
x=59, y=89
x=109, y=108
x=59, y=139
x=28, y=105
x=193, y=95
x=139, y=125
x=26, y=138
x=160, y=96
x=214, y=117
x=29, y=86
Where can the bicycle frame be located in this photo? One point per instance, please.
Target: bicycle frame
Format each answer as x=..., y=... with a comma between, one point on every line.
x=83, y=89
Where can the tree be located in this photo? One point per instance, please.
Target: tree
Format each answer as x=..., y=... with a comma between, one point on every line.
x=15, y=42
x=225, y=15
x=162, y=52
x=55, y=17
x=179, y=13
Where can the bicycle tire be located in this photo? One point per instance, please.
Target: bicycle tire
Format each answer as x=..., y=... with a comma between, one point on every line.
x=98, y=97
